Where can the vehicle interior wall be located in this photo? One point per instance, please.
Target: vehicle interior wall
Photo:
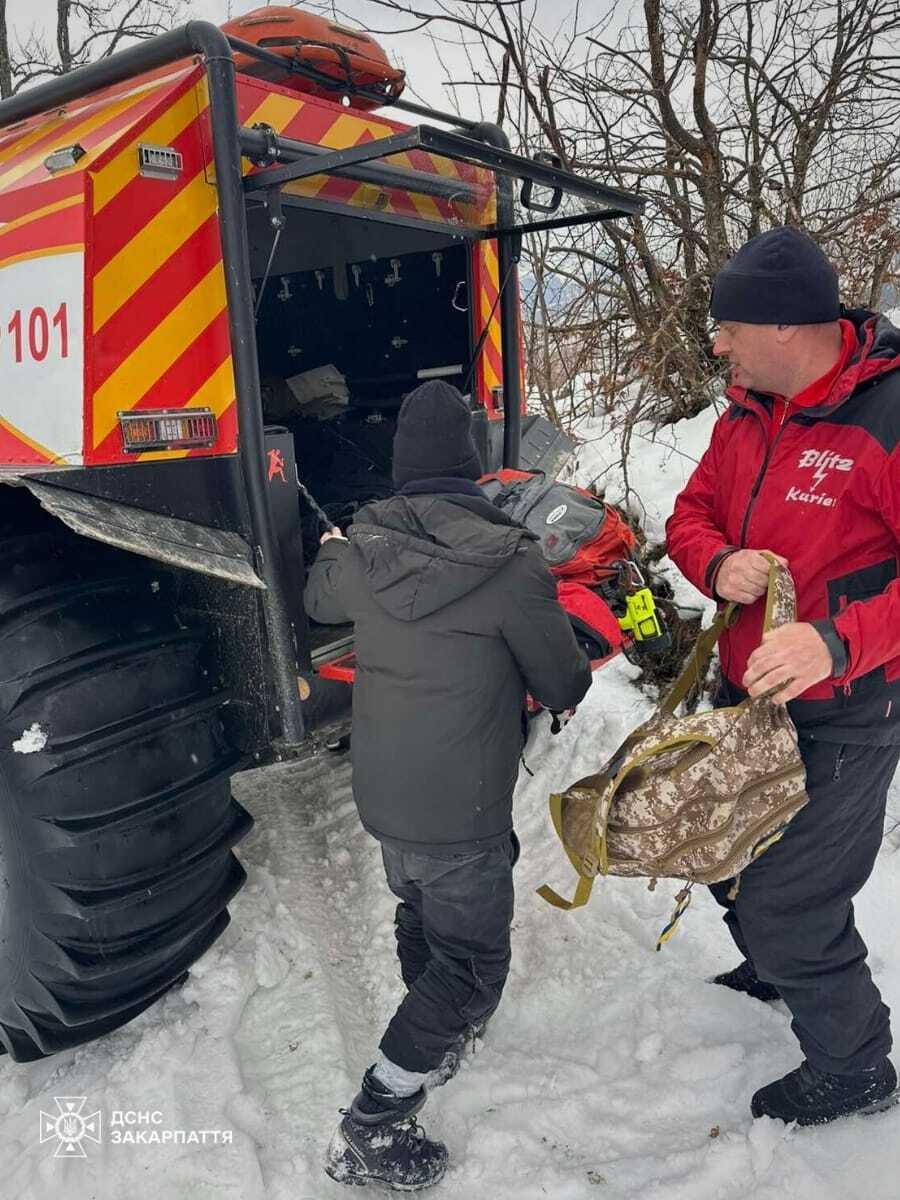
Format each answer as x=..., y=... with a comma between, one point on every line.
x=355, y=313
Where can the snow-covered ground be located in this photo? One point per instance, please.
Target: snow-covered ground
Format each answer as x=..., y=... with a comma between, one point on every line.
x=659, y=464
x=610, y=1072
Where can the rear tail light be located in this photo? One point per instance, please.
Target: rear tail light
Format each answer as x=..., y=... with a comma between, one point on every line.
x=167, y=429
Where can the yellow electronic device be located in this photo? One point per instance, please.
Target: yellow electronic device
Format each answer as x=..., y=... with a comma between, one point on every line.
x=640, y=618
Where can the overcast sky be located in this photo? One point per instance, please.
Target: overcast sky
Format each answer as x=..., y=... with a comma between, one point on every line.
x=413, y=51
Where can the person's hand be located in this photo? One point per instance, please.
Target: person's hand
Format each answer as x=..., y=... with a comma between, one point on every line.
x=744, y=575
x=334, y=532
x=560, y=719
x=794, y=655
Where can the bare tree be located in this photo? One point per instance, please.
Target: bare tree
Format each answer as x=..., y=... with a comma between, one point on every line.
x=6, y=84
x=85, y=30
x=730, y=117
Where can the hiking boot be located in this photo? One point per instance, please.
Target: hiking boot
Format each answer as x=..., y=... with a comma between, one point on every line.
x=379, y=1141
x=744, y=979
x=812, y=1097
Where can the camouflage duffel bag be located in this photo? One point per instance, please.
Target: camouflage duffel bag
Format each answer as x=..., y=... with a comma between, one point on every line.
x=695, y=798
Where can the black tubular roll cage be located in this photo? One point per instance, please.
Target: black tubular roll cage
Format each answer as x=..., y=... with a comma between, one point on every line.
x=483, y=144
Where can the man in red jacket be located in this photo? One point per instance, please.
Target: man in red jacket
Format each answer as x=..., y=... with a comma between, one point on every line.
x=805, y=463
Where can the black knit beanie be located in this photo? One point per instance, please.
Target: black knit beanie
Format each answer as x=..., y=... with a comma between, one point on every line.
x=434, y=436
x=777, y=278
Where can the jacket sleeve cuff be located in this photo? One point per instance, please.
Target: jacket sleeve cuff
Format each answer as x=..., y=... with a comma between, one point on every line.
x=837, y=647
x=332, y=549
x=712, y=570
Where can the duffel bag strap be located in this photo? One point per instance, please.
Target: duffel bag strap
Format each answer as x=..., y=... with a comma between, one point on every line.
x=781, y=609
x=696, y=665
x=582, y=894
x=781, y=597
x=585, y=881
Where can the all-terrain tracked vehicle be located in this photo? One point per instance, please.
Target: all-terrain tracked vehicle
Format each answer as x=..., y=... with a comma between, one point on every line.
x=220, y=273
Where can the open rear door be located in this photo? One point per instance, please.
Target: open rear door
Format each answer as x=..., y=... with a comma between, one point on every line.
x=437, y=179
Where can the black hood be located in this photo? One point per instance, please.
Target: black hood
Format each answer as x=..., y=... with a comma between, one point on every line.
x=423, y=552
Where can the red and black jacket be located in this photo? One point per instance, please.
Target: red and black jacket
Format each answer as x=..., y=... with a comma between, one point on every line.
x=824, y=492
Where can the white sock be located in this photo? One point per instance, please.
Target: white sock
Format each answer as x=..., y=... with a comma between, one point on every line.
x=400, y=1081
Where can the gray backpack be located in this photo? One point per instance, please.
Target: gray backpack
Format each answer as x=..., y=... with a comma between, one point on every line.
x=563, y=518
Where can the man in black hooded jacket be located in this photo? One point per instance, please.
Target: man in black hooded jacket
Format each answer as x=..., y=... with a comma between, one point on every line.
x=455, y=615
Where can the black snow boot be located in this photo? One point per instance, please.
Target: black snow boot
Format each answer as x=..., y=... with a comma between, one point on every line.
x=812, y=1097
x=744, y=979
x=378, y=1141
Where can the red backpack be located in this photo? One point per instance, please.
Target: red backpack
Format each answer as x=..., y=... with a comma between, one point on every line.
x=583, y=540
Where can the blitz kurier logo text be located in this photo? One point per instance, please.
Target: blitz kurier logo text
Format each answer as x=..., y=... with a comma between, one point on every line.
x=822, y=463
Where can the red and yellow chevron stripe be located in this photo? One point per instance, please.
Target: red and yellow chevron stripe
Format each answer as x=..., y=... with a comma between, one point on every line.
x=321, y=123
x=19, y=450
x=155, y=321
x=53, y=228
x=44, y=215
x=489, y=373
x=157, y=311
x=94, y=126
x=33, y=236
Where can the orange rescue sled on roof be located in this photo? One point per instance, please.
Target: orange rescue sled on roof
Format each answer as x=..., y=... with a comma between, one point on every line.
x=341, y=55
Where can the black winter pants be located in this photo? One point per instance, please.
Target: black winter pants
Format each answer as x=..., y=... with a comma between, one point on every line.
x=793, y=916
x=452, y=928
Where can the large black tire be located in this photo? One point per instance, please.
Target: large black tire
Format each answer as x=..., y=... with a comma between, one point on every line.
x=116, y=836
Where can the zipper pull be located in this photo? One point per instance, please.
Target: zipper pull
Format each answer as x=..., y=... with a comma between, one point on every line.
x=838, y=763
